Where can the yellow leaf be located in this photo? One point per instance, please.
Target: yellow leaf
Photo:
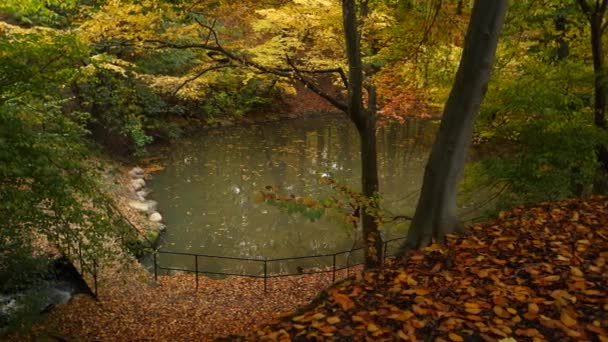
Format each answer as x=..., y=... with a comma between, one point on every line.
x=576, y=271
x=455, y=337
x=512, y=311
x=298, y=318
x=372, y=328
x=567, y=319
x=318, y=316
x=356, y=318
x=333, y=320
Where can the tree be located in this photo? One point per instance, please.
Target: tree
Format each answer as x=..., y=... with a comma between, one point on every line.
x=595, y=13
x=365, y=121
x=436, y=210
x=49, y=186
x=363, y=117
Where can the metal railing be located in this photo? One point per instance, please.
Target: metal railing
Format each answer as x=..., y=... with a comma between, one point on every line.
x=264, y=263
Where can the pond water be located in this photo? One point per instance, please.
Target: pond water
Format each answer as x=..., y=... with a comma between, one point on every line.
x=209, y=191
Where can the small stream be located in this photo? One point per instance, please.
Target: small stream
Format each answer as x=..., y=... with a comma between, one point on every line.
x=209, y=191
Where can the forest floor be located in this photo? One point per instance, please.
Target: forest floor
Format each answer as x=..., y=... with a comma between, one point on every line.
x=534, y=274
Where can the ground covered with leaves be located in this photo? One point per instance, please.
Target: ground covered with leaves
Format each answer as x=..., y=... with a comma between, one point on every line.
x=132, y=307
x=535, y=274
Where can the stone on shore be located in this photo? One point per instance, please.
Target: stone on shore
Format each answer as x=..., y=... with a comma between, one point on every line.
x=138, y=184
x=155, y=217
x=143, y=193
x=137, y=172
x=147, y=206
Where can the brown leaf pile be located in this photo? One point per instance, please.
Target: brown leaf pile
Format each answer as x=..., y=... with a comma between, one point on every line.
x=535, y=274
x=132, y=307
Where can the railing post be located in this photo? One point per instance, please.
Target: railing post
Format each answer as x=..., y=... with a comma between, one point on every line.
x=95, y=277
x=196, y=269
x=80, y=257
x=265, y=274
x=348, y=265
x=385, y=250
x=333, y=273
x=155, y=268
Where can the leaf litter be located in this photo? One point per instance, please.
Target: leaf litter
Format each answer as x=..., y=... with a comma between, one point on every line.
x=534, y=274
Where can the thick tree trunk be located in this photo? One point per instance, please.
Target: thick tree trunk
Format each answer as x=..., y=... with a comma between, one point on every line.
x=365, y=122
x=436, y=211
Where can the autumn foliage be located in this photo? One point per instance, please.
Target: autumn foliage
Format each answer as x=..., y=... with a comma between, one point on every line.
x=535, y=274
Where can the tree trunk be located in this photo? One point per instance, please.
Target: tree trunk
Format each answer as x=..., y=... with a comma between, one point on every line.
x=459, y=7
x=563, y=49
x=369, y=184
x=436, y=211
x=599, y=117
x=365, y=122
x=595, y=13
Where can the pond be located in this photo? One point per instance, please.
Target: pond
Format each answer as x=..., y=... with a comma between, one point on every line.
x=209, y=192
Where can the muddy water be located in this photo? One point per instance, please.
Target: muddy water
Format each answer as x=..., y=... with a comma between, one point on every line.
x=209, y=190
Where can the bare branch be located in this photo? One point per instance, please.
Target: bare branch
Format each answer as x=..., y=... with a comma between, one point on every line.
x=317, y=90
x=397, y=218
x=427, y=31
x=216, y=67
x=293, y=73
x=339, y=71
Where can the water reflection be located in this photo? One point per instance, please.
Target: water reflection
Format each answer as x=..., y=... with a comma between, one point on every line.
x=208, y=191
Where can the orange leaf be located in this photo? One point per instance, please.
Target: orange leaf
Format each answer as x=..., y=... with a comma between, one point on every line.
x=533, y=308
x=372, y=328
x=403, y=316
x=454, y=337
x=567, y=319
x=472, y=308
x=500, y=312
x=345, y=302
x=327, y=329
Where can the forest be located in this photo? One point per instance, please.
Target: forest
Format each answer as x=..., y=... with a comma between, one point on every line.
x=113, y=112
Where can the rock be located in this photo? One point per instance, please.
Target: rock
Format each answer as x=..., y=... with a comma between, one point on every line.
x=143, y=192
x=138, y=184
x=147, y=206
x=155, y=217
x=137, y=172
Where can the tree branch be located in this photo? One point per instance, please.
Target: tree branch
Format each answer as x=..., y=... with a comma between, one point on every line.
x=314, y=88
x=216, y=67
x=293, y=73
x=339, y=71
x=427, y=31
